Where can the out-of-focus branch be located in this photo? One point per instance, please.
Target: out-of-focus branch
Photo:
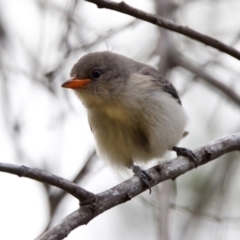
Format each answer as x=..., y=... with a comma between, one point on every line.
x=133, y=186
x=199, y=72
x=165, y=23
x=45, y=177
x=55, y=199
x=213, y=184
x=209, y=216
x=166, y=9
x=87, y=45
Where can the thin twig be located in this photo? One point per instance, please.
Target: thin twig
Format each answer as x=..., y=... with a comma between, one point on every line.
x=55, y=199
x=165, y=23
x=199, y=72
x=45, y=177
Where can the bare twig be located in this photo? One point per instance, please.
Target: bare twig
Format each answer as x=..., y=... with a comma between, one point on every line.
x=165, y=23
x=209, y=216
x=133, y=186
x=55, y=199
x=45, y=177
x=199, y=72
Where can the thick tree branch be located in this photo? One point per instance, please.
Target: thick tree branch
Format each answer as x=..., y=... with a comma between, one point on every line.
x=124, y=191
x=165, y=23
x=133, y=186
x=45, y=177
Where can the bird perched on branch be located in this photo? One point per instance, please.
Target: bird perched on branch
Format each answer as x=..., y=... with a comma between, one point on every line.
x=135, y=114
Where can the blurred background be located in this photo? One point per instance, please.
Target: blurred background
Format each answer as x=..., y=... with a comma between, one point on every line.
x=45, y=126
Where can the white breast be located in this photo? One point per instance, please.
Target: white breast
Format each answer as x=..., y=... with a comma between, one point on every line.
x=113, y=123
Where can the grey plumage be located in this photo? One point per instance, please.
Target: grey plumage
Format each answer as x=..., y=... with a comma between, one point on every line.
x=135, y=114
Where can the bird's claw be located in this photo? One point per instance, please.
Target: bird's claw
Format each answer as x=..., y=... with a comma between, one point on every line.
x=143, y=176
x=186, y=153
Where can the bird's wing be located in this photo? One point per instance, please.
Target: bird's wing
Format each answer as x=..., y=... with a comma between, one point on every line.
x=161, y=82
x=169, y=88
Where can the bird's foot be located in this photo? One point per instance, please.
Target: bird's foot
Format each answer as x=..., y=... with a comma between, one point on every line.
x=186, y=153
x=143, y=175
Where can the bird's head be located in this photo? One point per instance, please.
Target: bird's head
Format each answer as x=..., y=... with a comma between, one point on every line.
x=100, y=76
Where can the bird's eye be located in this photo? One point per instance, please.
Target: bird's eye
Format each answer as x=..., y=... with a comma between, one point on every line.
x=96, y=73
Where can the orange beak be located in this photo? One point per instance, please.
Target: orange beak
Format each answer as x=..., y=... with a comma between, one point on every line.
x=75, y=83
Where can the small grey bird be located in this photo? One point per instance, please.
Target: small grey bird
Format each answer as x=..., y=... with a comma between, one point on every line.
x=134, y=113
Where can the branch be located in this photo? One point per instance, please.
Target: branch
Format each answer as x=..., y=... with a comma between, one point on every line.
x=45, y=177
x=124, y=191
x=133, y=186
x=199, y=72
x=55, y=199
x=165, y=23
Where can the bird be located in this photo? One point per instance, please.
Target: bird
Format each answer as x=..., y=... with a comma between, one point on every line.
x=134, y=113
